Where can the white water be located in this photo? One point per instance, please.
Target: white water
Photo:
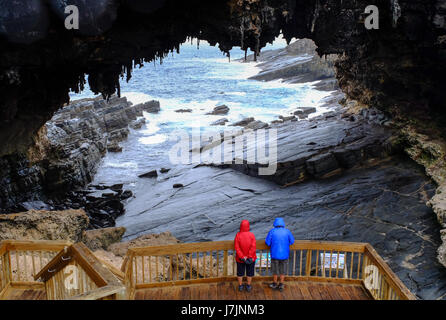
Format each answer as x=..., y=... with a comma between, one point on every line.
x=197, y=79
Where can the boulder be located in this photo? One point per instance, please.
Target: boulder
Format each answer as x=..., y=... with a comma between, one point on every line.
x=109, y=258
x=117, y=187
x=288, y=118
x=256, y=125
x=219, y=110
x=118, y=135
x=103, y=238
x=243, y=122
x=44, y=225
x=183, y=111
x=220, y=122
x=165, y=238
x=151, y=106
x=137, y=124
x=126, y=194
x=150, y=174
x=441, y=251
x=304, y=112
x=114, y=147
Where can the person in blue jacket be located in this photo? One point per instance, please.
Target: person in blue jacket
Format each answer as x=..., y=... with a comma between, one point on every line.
x=279, y=240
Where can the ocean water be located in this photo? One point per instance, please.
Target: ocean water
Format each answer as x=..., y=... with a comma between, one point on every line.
x=198, y=79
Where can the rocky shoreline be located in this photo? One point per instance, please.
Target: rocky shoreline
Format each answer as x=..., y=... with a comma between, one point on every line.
x=65, y=157
x=379, y=198
x=297, y=63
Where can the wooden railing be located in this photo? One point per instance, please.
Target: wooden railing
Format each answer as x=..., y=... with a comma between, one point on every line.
x=76, y=273
x=68, y=271
x=5, y=279
x=21, y=260
x=189, y=263
x=380, y=280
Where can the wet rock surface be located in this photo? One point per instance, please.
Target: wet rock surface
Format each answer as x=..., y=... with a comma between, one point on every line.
x=220, y=110
x=324, y=145
x=220, y=122
x=357, y=186
x=103, y=204
x=297, y=63
x=151, y=174
x=243, y=122
x=382, y=203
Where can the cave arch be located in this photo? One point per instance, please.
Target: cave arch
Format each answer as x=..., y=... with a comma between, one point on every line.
x=402, y=61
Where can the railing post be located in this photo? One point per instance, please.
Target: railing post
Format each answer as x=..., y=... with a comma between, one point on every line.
x=225, y=264
x=8, y=271
x=385, y=288
x=308, y=264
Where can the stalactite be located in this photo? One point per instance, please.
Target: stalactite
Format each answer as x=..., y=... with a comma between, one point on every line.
x=257, y=50
x=242, y=37
x=315, y=15
x=396, y=12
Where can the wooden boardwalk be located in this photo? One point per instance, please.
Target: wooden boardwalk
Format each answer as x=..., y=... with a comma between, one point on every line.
x=39, y=270
x=296, y=290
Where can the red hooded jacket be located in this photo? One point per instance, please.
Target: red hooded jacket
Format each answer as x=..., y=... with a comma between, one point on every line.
x=245, y=243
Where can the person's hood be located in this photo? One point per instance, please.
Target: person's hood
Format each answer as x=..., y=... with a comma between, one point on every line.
x=244, y=226
x=279, y=223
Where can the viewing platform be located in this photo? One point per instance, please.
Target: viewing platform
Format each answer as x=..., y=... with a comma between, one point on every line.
x=58, y=270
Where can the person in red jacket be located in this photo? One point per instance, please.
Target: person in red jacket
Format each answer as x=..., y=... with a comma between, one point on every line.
x=245, y=247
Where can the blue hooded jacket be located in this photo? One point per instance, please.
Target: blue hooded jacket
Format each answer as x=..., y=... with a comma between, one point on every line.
x=279, y=239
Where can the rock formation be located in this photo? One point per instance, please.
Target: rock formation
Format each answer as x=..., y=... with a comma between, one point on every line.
x=65, y=157
x=148, y=240
x=44, y=225
x=402, y=61
x=297, y=63
x=102, y=239
x=219, y=110
x=220, y=122
x=116, y=252
x=323, y=146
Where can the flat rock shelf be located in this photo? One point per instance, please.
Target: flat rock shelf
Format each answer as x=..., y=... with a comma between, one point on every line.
x=378, y=196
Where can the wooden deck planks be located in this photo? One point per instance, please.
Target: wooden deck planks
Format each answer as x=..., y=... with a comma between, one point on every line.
x=332, y=291
x=297, y=294
x=302, y=290
x=25, y=294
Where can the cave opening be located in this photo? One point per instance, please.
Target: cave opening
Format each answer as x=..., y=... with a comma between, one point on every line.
x=200, y=88
x=344, y=175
